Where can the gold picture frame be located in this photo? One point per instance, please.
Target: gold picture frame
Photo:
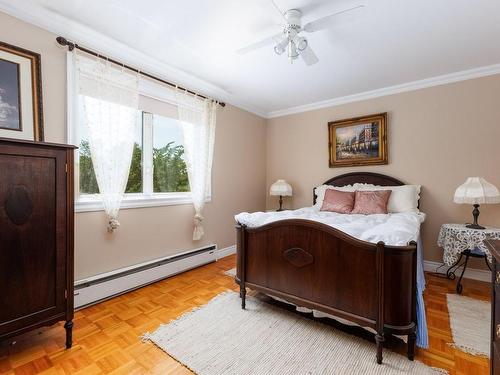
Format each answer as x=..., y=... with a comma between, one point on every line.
x=358, y=141
x=21, y=114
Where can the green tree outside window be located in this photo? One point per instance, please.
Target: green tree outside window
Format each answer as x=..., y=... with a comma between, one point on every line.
x=169, y=170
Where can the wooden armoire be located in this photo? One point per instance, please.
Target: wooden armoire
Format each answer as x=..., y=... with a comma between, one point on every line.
x=36, y=236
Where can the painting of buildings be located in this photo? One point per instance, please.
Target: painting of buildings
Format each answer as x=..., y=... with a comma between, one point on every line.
x=358, y=141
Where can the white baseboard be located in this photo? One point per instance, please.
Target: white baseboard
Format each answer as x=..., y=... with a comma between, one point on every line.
x=107, y=285
x=470, y=273
x=230, y=250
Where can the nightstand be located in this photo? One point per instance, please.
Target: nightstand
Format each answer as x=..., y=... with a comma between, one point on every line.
x=458, y=241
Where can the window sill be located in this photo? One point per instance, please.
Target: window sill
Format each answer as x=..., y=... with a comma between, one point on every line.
x=89, y=203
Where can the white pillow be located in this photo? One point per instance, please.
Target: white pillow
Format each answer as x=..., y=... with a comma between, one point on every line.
x=403, y=198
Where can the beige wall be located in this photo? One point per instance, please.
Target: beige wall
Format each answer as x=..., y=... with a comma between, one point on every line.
x=238, y=176
x=437, y=137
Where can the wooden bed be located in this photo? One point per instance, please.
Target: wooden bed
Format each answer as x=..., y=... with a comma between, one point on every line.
x=319, y=267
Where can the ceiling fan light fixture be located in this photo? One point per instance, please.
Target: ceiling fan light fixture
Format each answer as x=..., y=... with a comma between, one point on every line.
x=301, y=43
x=290, y=40
x=280, y=48
x=292, y=51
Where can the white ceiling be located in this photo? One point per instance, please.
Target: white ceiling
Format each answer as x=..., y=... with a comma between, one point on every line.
x=386, y=43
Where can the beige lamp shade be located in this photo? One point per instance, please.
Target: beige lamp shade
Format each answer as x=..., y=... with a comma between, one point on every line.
x=281, y=187
x=476, y=190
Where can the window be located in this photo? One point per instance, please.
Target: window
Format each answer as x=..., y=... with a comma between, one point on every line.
x=158, y=173
x=169, y=168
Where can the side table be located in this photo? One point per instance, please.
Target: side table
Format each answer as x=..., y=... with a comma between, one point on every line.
x=458, y=241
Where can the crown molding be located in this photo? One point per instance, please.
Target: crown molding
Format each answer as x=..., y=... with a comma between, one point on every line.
x=59, y=25
x=391, y=90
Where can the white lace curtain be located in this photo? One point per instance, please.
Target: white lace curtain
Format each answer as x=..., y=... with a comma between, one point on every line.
x=110, y=102
x=199, y=117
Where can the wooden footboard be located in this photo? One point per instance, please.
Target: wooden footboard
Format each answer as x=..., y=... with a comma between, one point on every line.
x=316, y=266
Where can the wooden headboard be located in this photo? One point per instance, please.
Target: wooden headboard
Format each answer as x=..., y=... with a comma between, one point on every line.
x=361, y=178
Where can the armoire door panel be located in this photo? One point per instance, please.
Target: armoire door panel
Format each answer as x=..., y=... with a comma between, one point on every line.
x=28, y=248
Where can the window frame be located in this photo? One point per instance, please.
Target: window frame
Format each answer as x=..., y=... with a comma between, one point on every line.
x=148, y=198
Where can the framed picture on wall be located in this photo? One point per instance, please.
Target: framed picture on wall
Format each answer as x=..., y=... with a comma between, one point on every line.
x=358, y=141
x=21, y=115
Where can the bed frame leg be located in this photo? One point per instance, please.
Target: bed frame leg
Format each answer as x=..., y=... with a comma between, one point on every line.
x=379, y=339
x=243, y=294
x=241, y=266
x=411, y=346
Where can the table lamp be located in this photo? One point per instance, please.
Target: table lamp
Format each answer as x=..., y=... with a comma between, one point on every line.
x=476, y=191
x=281, y=188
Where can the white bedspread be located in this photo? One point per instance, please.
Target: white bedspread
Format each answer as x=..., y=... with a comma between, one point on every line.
x=393, y=229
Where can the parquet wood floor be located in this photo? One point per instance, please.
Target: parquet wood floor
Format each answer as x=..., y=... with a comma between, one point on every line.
x=107, y=335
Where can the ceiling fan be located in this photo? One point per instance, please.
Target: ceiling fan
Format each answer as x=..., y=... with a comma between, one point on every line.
x=290, y=39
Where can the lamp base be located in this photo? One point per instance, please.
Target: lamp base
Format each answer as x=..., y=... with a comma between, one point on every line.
x=474, y=226
x=281, y=204
x=475, y=214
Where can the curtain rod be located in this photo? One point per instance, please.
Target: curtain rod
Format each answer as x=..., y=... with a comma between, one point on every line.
x=71, y=46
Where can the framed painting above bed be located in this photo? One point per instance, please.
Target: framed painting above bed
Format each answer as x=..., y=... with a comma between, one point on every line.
x=21, y=114
x=358, y=141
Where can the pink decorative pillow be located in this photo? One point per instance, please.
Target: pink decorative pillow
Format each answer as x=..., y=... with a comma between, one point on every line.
x=371, y=202
x=341, y=202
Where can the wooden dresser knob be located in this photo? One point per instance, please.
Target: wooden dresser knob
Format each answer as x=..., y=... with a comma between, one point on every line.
x=497, y=279
x=498, y=330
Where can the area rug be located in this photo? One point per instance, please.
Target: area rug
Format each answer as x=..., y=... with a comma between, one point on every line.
x=231, y=272
x=470, y=321
x=221, y=338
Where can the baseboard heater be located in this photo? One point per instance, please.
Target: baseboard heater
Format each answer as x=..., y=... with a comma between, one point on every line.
x=107, y=285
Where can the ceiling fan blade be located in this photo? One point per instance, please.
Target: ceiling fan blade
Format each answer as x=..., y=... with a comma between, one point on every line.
x=273, y=4
x=261, y=43
x=326, y=22
x=309, y=56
